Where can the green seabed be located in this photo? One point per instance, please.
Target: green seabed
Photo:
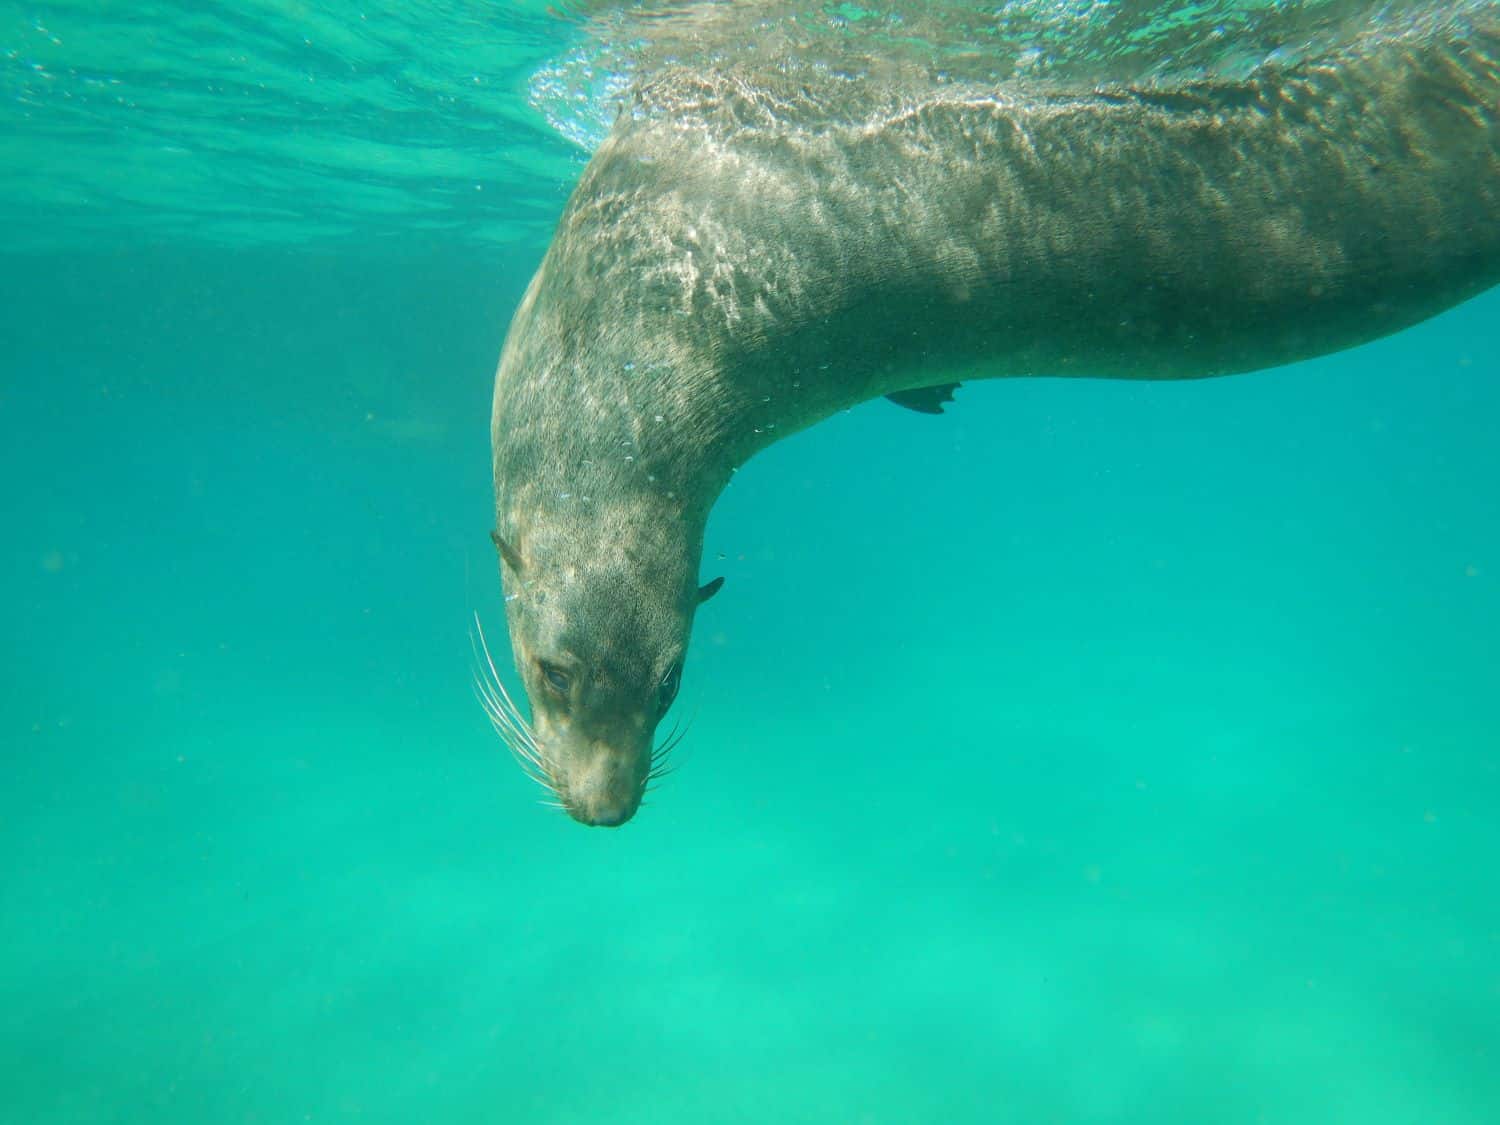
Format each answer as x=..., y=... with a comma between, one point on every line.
x=1093, y=753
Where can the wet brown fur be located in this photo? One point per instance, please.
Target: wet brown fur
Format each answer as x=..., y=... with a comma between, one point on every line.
x=740, y=260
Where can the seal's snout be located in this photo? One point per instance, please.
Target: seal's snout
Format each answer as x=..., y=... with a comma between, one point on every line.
x=601, y=784
x=608, y=809
x=607, y=818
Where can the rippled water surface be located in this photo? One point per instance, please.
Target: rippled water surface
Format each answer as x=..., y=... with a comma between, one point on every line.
x=1093, y=753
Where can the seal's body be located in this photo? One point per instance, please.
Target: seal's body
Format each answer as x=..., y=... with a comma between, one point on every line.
x=741, y=260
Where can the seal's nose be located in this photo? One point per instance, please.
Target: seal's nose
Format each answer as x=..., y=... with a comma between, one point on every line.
x=602, y=814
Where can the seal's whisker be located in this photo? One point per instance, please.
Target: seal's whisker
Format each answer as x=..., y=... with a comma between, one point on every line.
x=505, y=717
x=670, y=748
x=659, y=752
x=487, y=697
x=500, y=703
x=660, y=768
x=534, y=773
x=517, y=739
x=529, y=766
x=514, y=738
x=662, y=765
x=513, y=721
x=495, y=679
x=663, y=753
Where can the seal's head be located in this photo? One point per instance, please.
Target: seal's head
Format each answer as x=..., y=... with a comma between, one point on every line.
x=598, y=638
x=608, y=453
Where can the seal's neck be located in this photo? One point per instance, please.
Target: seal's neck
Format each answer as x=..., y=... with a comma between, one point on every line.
x=633, y=407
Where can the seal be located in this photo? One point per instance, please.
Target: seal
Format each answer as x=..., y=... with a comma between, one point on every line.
x=749, y=253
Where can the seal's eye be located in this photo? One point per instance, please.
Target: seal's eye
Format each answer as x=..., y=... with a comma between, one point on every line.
x=556, y=678
x=668, y=689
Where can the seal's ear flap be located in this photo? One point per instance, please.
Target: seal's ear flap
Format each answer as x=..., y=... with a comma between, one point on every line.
x=507, y=552
x=709, y=589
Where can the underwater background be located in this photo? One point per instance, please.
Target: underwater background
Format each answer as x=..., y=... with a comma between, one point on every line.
x=1096, y=752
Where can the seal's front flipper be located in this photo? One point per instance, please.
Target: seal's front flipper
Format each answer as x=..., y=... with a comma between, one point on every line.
x=925, y=400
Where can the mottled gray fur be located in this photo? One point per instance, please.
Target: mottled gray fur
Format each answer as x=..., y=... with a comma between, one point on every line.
x=743, y=257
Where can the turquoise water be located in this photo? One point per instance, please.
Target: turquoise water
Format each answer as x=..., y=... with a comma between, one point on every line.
x=1093, y=753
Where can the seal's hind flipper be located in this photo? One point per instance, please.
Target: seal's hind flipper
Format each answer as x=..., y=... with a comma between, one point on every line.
x=925, y=400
